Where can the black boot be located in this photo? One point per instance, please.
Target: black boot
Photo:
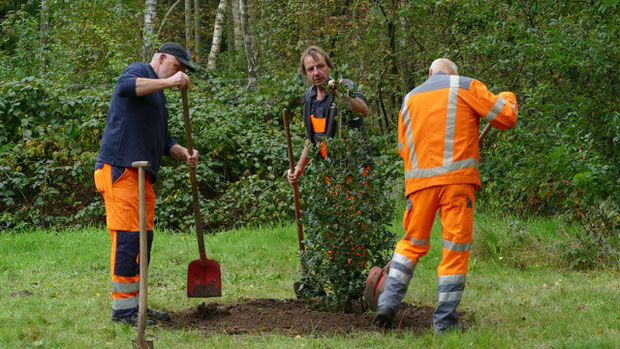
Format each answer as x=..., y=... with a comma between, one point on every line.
x=132, y=320
x=157, y=315
x=383, y=317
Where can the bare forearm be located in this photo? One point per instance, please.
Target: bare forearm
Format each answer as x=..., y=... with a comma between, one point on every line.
x=303, y=159
x=145, y=86
x=358, y=106
x=178, y=151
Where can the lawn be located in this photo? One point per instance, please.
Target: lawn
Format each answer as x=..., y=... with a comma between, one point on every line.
x=54, y=290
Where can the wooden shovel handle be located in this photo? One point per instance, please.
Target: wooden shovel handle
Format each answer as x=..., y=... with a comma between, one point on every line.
x=484, y=132
x=291, y=161
x=142, y=299
x=192, y=173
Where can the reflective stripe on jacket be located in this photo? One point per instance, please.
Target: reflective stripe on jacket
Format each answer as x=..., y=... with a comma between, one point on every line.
x=438, y=127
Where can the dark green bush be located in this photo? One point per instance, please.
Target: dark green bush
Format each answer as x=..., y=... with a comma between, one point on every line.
x=47, y=156
x=346, y=216
x=50, y=138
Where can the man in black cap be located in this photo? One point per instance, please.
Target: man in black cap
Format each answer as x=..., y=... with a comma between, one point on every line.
x=136, y=130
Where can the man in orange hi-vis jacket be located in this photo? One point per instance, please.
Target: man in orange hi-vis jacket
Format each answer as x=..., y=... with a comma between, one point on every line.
x=438, y=127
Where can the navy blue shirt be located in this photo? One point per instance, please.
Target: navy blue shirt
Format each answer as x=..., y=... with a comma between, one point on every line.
x=137, y=127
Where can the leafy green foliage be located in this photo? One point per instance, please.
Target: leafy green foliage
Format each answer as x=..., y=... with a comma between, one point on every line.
x=559, y=59
x=345, y=215
x=240, y=137
x=50, y=139
x=47, y=155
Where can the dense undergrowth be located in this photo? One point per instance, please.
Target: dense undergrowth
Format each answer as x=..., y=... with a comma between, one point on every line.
x=559, y=59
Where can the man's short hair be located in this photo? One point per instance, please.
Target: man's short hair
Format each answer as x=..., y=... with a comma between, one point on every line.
x=313, y=51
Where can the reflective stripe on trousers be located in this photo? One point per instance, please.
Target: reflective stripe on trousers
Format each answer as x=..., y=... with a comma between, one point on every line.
x=125, y=270
x=401, y=271
x=456, y=205
x=449, y=292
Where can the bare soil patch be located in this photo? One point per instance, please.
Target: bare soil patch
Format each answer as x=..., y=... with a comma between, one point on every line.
x=290, y=316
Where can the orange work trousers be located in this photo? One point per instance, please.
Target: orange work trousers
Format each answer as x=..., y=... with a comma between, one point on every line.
x=123, y=220
x=455, y=203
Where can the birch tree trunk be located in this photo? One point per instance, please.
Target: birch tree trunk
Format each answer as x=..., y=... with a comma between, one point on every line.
x=196, y=29
x=217, y=35
x=188, y=23
x=147, y=33
x=249, y=40
x=237, y=25
x=44, y=30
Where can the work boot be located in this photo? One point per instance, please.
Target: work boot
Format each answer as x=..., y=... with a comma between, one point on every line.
x=383, y=317
x=132, y=320
x=157, y=315
x=458, y=327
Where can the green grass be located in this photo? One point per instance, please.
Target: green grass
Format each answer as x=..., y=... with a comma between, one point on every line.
x=519, y=294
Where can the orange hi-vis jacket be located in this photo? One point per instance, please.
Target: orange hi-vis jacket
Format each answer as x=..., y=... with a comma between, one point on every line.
x=438, y=127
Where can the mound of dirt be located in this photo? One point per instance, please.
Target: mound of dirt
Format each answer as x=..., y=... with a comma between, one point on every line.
x=289, y=316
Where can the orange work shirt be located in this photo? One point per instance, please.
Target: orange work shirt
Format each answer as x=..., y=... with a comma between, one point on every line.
x=438, y=127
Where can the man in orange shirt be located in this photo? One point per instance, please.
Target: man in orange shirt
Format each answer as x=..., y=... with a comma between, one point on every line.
x=438, y=127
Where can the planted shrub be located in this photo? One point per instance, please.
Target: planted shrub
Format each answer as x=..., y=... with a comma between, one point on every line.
x=345, y=213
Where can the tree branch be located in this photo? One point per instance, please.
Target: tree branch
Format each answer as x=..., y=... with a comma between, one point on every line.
x=163, y=22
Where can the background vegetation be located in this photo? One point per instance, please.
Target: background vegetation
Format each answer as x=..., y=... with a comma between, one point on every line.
x=560, y=58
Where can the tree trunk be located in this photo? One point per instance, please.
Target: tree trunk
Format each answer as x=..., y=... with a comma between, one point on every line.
x=150, y=10
x=197, y=29
x=163, y=22
x=249, y=39
x=229, y=30
x=188, y=23
x=217, y=35
x=237, y=25
x=44, y=30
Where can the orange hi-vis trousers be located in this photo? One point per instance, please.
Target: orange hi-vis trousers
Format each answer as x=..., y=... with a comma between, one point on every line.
x=123, y=220
x=455, y=203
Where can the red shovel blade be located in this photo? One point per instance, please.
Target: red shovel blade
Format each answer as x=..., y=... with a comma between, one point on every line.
x=204, y=279
x=371, y=294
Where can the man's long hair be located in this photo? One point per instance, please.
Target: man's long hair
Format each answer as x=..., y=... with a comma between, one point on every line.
x=314, y=51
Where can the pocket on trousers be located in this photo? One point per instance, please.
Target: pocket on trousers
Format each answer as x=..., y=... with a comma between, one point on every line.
x=117, y=173
x=99, y=184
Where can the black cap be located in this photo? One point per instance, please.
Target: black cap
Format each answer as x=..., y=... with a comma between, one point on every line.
x=179, y=52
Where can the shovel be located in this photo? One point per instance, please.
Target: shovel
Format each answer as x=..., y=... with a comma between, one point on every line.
x=298, y=286
x=140, y=341
x=291, y=161
x=300, y=230
x=204, y=278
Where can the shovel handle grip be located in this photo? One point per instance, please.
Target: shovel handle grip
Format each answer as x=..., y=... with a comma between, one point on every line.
x=192, y=173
